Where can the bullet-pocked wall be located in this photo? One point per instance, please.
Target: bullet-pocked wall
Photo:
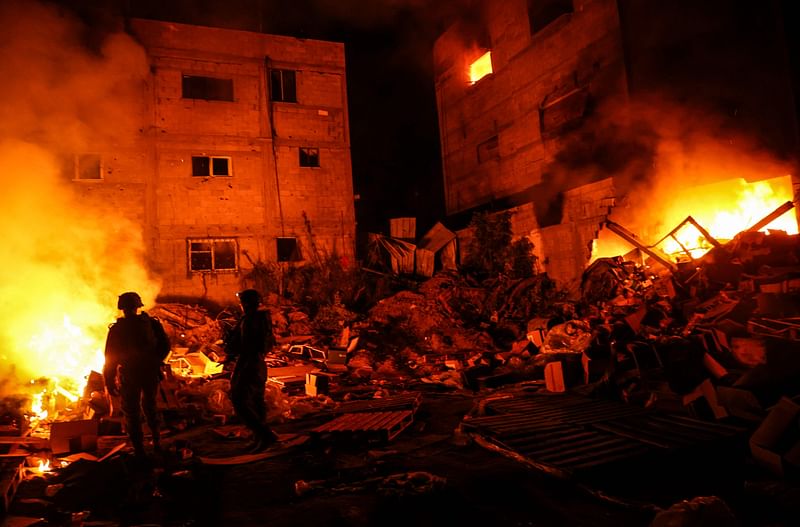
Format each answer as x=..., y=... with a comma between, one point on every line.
x=245, y=140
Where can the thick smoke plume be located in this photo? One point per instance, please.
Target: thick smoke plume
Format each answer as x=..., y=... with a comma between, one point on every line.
x=64, y=261
x=655, y=150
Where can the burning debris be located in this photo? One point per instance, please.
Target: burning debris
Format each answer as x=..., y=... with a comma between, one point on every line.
x=706, y=340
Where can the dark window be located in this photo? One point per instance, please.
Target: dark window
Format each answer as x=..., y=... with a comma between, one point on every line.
x=282, y=85
x=563, y=112
x=288, y=251
x=207, y=88
x=489, y=149
x=206, y=166
x=309, y=157
x=212, y=254
x=86, y=167
x=542, y=12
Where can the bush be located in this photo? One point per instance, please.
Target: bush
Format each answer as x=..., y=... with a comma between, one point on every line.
x=491, y=252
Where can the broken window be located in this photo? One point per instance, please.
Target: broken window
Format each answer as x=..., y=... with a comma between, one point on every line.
x=283, y=85
x=82, y=167
x=562, y=112
x=489, y=149
x=309, y=157
x=288, y=250
x=212, y=254
x=207, y=88
x=542, y=12
x=207, y=166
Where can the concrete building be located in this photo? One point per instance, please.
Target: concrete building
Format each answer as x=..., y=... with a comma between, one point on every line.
x=531, y=132
x=244, y=157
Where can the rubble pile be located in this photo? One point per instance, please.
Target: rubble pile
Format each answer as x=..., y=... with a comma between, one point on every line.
x=713, y=338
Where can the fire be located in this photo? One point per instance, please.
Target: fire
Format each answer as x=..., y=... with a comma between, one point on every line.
x=66, y=264
x=723, y=209
x=481, y=67
x=44, y=466
x=62, y=354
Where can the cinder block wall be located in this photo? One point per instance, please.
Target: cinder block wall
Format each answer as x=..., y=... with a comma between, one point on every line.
x=268, y=194
x=580, y=51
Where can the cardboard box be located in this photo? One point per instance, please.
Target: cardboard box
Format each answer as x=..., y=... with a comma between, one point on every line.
x=705, y=390
x=315, y=390
x=73, y=436
x=554, y=377
x=777, y=436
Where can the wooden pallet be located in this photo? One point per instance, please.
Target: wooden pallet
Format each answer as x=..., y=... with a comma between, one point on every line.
x=12, y=472
x=367, y=426
x=403, y=401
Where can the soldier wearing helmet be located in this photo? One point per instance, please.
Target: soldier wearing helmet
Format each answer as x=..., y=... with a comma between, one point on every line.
x=246, y=344
x=136, y=347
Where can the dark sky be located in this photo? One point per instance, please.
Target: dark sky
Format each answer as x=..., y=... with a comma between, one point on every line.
x=388, y=47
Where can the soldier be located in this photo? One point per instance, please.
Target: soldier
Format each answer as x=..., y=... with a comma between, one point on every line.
x=135, y=349
x=246, y=344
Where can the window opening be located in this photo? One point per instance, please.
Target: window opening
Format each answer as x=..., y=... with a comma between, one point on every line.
x=208, y=166
x=489, y=149
x=542, y=12
x=288, y=250
x=481, y=67
x=207, y=88
x=283, y=85
x=212, y=254
x=309, y=157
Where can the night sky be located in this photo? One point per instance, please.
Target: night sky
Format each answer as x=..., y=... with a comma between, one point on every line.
x=388, y=47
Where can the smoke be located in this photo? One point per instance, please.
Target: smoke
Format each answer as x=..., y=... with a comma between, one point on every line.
x=65, y=260
x=658, y=151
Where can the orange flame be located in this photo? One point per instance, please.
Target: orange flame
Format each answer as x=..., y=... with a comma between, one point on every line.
x=481, y=67
x=44, y=466
x=724, y=209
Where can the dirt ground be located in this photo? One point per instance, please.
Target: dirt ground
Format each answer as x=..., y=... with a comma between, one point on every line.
x=477, y=486
x=482, y=487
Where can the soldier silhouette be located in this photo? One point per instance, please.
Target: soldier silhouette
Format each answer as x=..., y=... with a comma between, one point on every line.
x=136, y=347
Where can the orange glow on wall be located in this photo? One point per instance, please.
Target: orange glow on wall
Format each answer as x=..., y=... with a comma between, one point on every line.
x=481, y=67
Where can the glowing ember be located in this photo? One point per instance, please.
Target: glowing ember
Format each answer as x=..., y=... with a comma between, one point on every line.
x=481, y=67
x=724, y=209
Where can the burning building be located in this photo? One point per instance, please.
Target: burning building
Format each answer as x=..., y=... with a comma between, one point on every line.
x=568, y=111
x=163, y=158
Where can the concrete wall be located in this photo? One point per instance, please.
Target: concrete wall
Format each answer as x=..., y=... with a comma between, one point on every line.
x=576, y=58
x=268, y=194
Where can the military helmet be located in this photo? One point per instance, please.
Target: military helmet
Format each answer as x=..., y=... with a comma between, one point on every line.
x=129, y=300
x=249, y=297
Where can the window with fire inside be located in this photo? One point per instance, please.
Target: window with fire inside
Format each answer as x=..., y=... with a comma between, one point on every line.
x=213, y=255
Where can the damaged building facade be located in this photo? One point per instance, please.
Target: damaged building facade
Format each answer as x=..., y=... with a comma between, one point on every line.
x=243, y=157
x=525, y=88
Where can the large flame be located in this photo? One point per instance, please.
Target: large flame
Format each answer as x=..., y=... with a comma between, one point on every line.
x=723, y=209
x=65, y=257
x=65, y=264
